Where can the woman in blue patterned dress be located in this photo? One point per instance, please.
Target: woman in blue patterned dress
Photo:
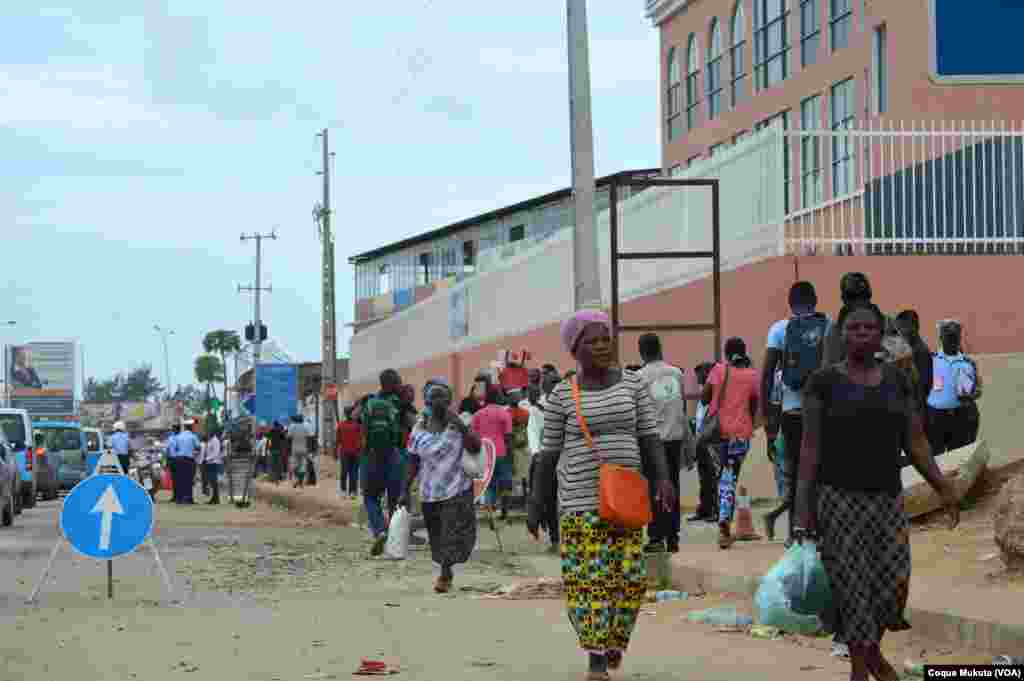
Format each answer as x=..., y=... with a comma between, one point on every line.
x=446, y=492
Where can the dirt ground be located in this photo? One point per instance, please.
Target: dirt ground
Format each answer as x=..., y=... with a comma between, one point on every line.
x=267, y=593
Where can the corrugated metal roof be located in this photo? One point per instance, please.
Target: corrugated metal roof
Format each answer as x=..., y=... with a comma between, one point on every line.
x=456, y=227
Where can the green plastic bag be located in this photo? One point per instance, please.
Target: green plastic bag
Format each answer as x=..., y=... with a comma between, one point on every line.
x=795, y=594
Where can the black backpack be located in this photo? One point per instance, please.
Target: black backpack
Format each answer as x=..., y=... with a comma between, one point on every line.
x=802, y=349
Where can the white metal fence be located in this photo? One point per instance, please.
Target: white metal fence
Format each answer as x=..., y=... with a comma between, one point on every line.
x=917, y=188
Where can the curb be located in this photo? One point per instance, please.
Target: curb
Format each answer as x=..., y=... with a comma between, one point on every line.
x=943, y=627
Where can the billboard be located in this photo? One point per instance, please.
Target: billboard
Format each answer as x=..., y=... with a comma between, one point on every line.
x=277, y=393
x=41, y=377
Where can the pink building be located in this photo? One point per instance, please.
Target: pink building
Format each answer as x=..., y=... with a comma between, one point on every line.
x=732, y=66
x=846, y=135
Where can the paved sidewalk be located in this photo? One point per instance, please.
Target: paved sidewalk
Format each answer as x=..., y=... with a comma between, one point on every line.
x=956, y=595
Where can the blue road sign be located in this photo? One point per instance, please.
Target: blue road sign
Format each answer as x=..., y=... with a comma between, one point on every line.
x=106, y=516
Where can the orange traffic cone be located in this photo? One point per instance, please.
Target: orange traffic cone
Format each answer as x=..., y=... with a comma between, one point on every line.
x=744, y=517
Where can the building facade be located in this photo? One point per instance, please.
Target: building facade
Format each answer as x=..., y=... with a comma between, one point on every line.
x=401, y=274
x=846, y=135
x=729, y=67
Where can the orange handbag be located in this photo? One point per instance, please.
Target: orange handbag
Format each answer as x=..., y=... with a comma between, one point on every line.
x=625, y=499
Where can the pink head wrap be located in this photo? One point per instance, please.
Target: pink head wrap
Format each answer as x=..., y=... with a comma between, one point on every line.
x=572, y=328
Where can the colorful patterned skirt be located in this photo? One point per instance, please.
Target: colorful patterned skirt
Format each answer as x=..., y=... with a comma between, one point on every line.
x=605, y=580
x=865, y=546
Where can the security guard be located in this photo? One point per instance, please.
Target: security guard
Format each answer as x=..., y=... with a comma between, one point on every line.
x=120, y=443
x=186, y=446
x=172, y=461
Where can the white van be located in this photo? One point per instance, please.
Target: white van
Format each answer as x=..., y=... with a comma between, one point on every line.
x=17, y=426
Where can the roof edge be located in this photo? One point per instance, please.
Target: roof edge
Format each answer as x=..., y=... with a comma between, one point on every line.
x=456, y=227
x=659, y=11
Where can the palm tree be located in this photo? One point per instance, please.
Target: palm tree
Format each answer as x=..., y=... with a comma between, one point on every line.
x=209, y=370
x=223, y=342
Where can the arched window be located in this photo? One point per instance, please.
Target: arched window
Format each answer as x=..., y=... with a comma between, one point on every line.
x=771, y=43
x=714, y=75
x=673, y=97
x=739, y=55
x=692, y=73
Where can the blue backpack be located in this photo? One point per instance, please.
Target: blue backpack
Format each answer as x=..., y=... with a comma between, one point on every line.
x=802, y=349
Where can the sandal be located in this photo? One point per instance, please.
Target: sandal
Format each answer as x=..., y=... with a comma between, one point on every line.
x=725, y=538
x=442, y=585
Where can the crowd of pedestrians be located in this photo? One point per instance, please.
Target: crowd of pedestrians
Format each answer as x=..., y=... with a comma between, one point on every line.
x=843, y=405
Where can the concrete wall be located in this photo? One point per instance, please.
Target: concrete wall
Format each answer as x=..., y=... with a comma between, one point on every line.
x=534, y=288
x=754, y=296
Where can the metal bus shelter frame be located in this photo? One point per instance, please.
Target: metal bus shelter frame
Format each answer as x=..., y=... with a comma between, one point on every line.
x=626, y=179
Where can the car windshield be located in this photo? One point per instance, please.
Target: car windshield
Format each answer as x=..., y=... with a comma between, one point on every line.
x=92, y=441
x=13, y=427
x=57, y=439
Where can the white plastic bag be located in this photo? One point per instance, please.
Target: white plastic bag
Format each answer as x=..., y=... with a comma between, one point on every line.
x=399, y=530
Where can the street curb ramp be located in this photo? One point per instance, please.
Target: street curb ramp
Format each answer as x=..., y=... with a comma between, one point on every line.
x=301, y=501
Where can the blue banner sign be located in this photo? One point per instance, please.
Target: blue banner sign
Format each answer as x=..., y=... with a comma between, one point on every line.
x=277, y=393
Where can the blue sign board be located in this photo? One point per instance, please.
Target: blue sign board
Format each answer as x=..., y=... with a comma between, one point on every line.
x=977, y=39
x=277, y=393
x=106, y=516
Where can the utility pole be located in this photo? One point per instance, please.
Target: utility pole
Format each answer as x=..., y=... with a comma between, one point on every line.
x=586, y=258
x=164, y=333
x=328, y=367
x=257, y=323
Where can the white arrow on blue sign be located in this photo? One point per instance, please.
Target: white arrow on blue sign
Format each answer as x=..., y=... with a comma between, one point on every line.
x=106, y=516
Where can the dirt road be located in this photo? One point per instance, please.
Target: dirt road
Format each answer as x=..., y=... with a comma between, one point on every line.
x=294, y=599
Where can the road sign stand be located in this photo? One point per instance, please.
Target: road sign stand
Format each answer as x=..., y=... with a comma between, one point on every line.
x=133, y=530
x=110, y=574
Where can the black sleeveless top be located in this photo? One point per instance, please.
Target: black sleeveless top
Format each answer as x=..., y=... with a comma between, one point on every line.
x=863, y=430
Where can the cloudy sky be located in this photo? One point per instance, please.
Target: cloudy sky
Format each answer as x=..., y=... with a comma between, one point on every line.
x=141, y=138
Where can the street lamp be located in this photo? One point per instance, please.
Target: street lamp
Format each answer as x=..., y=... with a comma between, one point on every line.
x=164, y=333
x=7, y=376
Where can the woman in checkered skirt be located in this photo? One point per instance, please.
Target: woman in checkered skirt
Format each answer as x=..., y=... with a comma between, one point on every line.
x=858, y=416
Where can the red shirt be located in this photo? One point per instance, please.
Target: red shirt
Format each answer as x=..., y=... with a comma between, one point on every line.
x=350, y=438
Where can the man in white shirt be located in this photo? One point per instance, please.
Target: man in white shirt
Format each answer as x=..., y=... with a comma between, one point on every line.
x=299, y=434
x=665, y=384
x=213, y=462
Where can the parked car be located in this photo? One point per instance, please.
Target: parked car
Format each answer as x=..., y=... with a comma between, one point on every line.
x=58, y=443
x=8, y=481
x=16, y=424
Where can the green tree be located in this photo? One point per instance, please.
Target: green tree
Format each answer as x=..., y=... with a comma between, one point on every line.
x=223, y=342
x=191, y=396
x=137, y=385
x=209, y=370
x=140, y=384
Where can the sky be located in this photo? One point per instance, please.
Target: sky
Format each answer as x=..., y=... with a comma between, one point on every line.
x=141, y=138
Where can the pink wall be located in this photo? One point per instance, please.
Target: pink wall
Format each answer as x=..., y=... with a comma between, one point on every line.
x=753, y=297
x=913, y=96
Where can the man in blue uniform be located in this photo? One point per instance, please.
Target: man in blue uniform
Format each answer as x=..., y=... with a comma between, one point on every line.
x=120, y=443
x=186, y=447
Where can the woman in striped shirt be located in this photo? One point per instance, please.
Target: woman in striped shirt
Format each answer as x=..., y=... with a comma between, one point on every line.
x=602, y=565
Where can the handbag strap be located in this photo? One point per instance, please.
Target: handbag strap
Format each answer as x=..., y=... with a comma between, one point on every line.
x=574, y=384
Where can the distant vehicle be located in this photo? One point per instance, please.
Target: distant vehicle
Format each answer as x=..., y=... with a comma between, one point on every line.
x=8, y=481
x=60, y=456
x=17, y=426
x=95, y=443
